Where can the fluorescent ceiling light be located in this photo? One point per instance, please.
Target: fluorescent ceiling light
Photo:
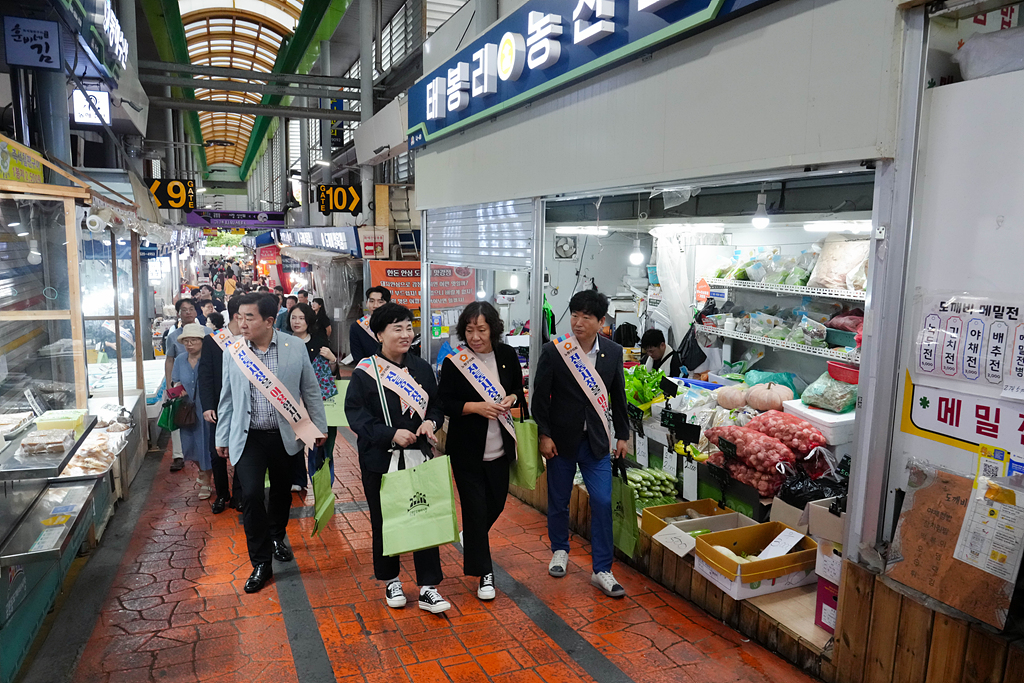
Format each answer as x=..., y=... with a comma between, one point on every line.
x=838, y=226
x=598, y=230
x=22, y=234
x=201, y=190
x=13, y=225
x=322, y=162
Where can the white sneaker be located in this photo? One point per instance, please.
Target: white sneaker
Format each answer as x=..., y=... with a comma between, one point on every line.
x=559, y=563
x=431, y=601
x=394, y=595
x=486, y=590
x=608, y=585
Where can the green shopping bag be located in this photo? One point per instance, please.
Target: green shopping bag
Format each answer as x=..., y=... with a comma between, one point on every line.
x=334, y=407
x=323, y=494
x=624, y=526
x=418, y=506
x=166, y=419
x=529, y=462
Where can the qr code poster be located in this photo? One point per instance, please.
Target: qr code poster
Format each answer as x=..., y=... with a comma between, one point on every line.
x=973, y=339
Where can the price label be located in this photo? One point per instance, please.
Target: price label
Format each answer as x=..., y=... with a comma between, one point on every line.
x=339, y=199
x=641, y=451
x=727, y=447
x=676, y=540
x=173, y=194
x=671, y=462
x=689, y=476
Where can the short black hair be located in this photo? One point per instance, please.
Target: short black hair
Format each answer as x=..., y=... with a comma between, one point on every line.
x=589, y=302
x=181, y=302
x=473, y=311
x=384, y=292
x=216, y=320
x=387, y=314
x=201, y=288
x=303, y=292
x=263, y=288
x=307, y=312
x=266, y=304
x=194, y=291
x=651, y=339
x=208, y=302
x=233, y=306
x=292, y=296
x=278, y=288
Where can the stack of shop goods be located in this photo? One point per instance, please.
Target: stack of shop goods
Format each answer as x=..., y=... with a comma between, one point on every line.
x=652, y=487
x=96, y=454
x=12, y=423
x=816, y=323
x=837, y=262
x=47, y=441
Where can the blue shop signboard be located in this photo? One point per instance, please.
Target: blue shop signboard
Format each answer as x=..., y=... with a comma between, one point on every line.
x=549, y=44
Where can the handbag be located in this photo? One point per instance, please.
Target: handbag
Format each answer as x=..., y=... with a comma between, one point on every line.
x=324, y=376
x=323, y=494
x=185, y=413
x=625, y=532
x=529, y=463
x=166, y=419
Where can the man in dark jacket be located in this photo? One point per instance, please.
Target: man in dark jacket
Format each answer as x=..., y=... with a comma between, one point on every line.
x=361, y=342
x=211, y=364
x=572, y=432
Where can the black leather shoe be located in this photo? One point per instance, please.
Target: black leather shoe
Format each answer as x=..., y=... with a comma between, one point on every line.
x=261, y=573
x=282, y=553
x=219, y=505
x=236, y=504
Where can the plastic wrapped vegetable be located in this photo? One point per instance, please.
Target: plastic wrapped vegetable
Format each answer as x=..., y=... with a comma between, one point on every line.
x=801, y=271
x=766, y=483
x=760, y=451
x=643, y=385
x=839, y=257
x=786, y=379
x=831, y=394
x=762, y=323
x=799, y=435
x=808, y=333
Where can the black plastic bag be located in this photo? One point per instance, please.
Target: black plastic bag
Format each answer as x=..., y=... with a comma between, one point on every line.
x=691, y=355
x=800, y=489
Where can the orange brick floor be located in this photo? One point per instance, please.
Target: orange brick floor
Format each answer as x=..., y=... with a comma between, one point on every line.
x=177, y=612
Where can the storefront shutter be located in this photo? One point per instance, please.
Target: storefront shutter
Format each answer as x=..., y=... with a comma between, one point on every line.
x=497, y=235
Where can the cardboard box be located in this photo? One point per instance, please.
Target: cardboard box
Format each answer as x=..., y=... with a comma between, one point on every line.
x=827, y=605
x=823, y=524
x=829, y=562
x=653, y=519
x=793, y=517
x=760, y=577
x=722, y=522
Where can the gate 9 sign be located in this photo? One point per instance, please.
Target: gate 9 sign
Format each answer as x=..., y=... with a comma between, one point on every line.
x=173, y=194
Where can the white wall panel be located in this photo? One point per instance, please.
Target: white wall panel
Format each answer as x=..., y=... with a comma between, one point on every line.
x=799, y=82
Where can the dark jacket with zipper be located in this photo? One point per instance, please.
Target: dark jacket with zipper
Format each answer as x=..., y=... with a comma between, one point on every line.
x=211, y=364
x=366, y=417
x=467, y=434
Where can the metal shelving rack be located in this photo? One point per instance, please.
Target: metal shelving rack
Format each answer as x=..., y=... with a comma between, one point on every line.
x=832, y=354
x=844, y=294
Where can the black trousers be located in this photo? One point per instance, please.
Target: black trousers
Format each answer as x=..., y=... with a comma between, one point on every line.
x=483, y=488
x=219, y=466
x=427, y=562
x=264, y=451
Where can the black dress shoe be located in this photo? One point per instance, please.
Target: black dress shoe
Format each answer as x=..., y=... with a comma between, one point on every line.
x=219, y=505
x=282, y=553
x=236, y=504
x=261, y=573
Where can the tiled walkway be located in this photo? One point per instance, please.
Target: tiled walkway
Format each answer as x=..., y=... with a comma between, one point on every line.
x=177, y=611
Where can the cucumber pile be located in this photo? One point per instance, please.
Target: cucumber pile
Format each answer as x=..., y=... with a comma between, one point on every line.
x=652, y=487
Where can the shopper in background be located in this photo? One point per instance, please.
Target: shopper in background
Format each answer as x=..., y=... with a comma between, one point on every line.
x=362, y=342
x=322, y=321
x=375, y=439
x=325, y=364
x=573, y=432
x=195, y=438
x=206, y=294
x=303, y=296
x=659, y=355
x=259, y=439
x=172, y=349
x=483, y=446
x=211, y=367
x=206, y=307
x=230, y=284
x=283, y=321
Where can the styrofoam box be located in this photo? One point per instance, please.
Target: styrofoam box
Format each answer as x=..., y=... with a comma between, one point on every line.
x=737, y=590
x=836, y=428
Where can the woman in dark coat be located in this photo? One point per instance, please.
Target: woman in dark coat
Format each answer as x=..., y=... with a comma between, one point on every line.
x=481, y=447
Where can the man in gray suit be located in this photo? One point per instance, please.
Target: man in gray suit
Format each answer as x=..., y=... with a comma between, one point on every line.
x=258, y=438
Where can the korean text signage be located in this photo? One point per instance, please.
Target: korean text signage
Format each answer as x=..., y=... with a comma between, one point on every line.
x=252, y=220
x=549, y=44
x=173, y=194
x=338, y=199
x=973, y=339
x=342, y=240
x=33, y=43
x=450, y=286
x=16, y=165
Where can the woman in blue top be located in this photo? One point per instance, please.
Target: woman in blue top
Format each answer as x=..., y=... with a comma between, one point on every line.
x=195, y=440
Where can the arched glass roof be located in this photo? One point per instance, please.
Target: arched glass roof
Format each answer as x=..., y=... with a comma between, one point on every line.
x=240, y=34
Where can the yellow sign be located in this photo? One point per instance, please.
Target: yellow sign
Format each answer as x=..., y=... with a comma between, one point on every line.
x=237, y=231
x=173, y=194
x=57, y=520
x=339, y=199
x=16, y=165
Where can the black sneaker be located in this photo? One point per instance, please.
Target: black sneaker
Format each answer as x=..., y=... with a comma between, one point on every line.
x=394, y=595
x=431, y=601
x=486, y=590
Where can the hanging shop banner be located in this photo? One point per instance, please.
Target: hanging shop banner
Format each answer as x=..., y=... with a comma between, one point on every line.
x=16, y=165
x=450, y=286
x=172, y=194
x=550, y=44
x=100, y=37
x=338, y=199
x=342, y=240
x=33, y=43
x=250, y=220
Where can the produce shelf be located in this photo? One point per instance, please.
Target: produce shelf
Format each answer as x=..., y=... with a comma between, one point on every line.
x=834, y=354
x=844, y=294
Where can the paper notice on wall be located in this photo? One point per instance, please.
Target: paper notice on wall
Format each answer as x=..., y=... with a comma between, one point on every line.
x=992, y=534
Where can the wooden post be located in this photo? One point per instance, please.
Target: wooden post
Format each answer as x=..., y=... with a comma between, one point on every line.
x=856, y=590
x=885, y=619
x=985, y=658
x=669, y=560
x=1014, y=663
x=912, y=641
x=654, y=562
x=684, y=572
x=946, y=653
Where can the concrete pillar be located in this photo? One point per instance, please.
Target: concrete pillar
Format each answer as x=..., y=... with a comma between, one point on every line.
x=485, y=15
x=285, y=168
x=126, y=17
x=52, y=94
x=304, y=163
x=326, y=152
x=366, y=94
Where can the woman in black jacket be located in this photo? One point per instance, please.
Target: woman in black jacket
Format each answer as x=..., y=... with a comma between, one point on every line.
x=392, y=324
x=481, y=448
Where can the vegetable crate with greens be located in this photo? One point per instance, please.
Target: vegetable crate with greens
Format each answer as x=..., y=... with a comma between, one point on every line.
x=652, y=487
x=643, y=385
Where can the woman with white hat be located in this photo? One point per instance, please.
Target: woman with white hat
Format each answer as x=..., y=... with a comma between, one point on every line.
x=195, y=437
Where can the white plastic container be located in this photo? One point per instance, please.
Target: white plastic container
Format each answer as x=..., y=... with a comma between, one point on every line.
x=838, y=429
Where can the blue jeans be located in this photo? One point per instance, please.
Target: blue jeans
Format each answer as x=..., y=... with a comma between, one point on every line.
x=597, y=476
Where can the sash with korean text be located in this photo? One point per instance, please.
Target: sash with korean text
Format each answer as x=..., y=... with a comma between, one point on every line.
x=480, y=378
x=586, y=376
x=364, y=323
x=398, y=380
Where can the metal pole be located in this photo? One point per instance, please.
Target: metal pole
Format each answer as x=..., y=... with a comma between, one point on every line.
x=19, y=93
x=426, y=328
x=327, y=151
x=285, y=168
x=366, y=101
x=52, y=94
x=139, y=282
x=304, y=165
x=182, y=150
x=536, y=290
x=117, y=316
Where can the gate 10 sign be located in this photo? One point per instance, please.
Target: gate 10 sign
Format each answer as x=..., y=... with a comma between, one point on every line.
x=339, y=199
x=173, y=194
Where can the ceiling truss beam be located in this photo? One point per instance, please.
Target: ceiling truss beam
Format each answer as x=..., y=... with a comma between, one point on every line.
x=255, y=109
x=233, y=86
x=242, y=74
